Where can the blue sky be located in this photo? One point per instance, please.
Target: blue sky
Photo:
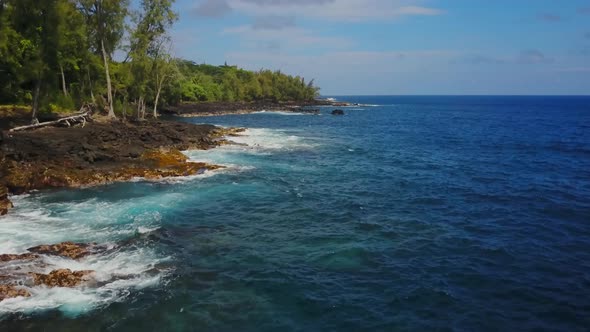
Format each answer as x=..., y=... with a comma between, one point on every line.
x=398, y=46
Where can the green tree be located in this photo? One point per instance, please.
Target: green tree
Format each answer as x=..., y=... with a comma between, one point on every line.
x=105, y=20
x=147, y=51
x=73, y=40
x=36, y=23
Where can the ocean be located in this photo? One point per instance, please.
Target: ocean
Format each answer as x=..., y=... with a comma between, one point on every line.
x=405, y=214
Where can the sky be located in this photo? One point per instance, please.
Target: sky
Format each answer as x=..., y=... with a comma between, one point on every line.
x=398, y=47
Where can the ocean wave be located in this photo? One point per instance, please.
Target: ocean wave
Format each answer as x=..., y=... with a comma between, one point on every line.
x=262, y=139
x=253, y=141
x=120, y=267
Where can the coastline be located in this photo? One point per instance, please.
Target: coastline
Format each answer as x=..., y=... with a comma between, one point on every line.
x=98, y=153
x=205, y=109
x=76, y=157
x=101, y=153
x=104, y=151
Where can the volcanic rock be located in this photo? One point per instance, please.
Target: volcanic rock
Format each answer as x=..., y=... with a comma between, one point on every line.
x=5, y=203
x=65, y=249
x=10, y=291
x=21, y=257
x=62, y=278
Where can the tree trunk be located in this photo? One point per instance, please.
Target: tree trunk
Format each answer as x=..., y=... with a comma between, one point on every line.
x=36, y=94
x=139, y=108
x=63, y=81
x=156, y=102
x=90, y=84
x=143, y=108
x=109, y=92
x=125, y=109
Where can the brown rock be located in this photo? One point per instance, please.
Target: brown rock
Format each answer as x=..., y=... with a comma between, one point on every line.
x=101, y=153
x=10, y=291
x=62, y=278
x=21, y=257
x=5, y=203
x=65, y=249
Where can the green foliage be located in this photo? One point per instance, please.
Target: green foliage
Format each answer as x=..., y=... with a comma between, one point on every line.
x=56, y=46
x=229, y=83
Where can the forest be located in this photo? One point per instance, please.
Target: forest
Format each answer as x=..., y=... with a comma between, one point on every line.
x=56, y=55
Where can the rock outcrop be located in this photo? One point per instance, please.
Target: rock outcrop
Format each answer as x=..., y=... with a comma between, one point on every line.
x=20, y=257
x=101, y=153
x=337, y=112
x=65, y=249
x=5, y=203
x=62, y=278
x=11, y=291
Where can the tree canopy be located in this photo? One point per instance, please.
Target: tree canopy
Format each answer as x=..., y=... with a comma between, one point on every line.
x=59, y=54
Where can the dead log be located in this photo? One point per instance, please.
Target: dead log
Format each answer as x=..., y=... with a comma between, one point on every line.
x=84, y=115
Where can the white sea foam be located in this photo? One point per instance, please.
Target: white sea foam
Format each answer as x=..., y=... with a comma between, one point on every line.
x=281, y=113
x=253, y=141
x=262, y=139
x=118, y=269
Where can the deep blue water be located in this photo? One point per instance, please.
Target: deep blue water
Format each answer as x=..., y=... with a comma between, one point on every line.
x=412, y=214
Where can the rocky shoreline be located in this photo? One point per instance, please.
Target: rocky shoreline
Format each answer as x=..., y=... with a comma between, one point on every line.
x=98, y=153
x=233, y=108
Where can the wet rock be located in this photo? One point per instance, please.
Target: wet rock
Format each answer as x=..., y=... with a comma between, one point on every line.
x=65, y=249
x=101, y=153
x=62, y=278
x=11, y=291
x=337, y=112
x=21, y=257
x=5, y=203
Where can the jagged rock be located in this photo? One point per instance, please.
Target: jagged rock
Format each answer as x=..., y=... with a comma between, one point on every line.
x=337, y=112
x=62, y=278
x=101, y=154
x=10, y=291
x=65, y=249
x=21, y=257
x=5, y=203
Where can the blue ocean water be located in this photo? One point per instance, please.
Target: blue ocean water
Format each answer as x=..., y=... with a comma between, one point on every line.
x=406, y=214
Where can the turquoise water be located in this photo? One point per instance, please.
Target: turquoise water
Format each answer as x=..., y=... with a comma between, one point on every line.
x=407, y=213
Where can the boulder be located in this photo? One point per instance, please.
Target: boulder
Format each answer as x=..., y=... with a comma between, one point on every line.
x=337, y=112
x=62, y=278
x=65, y=249
x=10, y=291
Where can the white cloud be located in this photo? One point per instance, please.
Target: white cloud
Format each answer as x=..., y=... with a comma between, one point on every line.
x=336, y=10
x=291, y=37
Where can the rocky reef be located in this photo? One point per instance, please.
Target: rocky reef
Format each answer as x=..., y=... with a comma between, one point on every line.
x=10, y=291
x=62, y=278
x=20, y=270
x=65, y=249
x=17, y=257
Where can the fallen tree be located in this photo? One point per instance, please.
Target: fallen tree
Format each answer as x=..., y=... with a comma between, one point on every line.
x=84, y=115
